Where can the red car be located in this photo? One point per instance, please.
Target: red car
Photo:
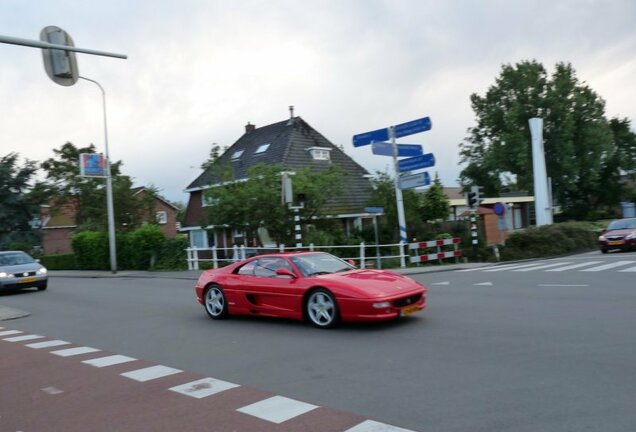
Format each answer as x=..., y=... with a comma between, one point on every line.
x=315, y=286
x=620, y=234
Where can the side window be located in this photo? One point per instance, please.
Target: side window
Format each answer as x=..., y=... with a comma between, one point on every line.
x=266, y=267
x=247, y=269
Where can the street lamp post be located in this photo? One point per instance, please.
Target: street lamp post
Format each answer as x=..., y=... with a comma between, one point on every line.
x=109, y=186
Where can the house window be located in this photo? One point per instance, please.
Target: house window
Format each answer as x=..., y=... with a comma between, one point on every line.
x=162, y=217
x=208, y=201
x=237, y=154
x=262, y=148
x=198, y=239
x=320, y=153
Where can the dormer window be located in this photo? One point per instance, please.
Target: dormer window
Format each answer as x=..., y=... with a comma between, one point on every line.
x=237, y=154
x=262, y=148
x=320, y=153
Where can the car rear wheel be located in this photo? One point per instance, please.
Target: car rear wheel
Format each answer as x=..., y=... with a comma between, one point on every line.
x=215, y=302
x=322, y=309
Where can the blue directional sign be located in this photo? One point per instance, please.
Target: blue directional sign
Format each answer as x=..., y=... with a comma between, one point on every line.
x=425, y=161
x=369, y=137
x=375, y=210
x=413, y=127
x=386, y=149
x=415, y=180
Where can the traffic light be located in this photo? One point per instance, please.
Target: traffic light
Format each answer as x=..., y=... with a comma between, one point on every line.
x=472, y=197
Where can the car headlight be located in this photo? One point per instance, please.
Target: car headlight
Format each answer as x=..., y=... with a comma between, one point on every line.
x=42, y=271
x=601, y=238
x=3, y=274
x=381, y=305
x=630, y=236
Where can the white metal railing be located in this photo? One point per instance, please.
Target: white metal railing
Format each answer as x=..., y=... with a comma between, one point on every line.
x=357, y=252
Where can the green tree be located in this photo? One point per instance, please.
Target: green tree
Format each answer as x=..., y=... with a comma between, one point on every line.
x=383, y=195
x=435, y=204
x=578, y=139
x=64, y=184
x=16, y=208
x=256, y=202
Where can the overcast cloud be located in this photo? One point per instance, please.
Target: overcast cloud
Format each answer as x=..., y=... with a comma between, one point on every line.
x=198, y=71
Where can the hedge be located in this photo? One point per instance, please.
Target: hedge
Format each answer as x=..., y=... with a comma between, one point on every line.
x=59, y=262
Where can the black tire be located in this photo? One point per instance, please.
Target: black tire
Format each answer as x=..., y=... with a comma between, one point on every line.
x=42, y=287
x=321, y=309
x=603, y=250
x=215, y=302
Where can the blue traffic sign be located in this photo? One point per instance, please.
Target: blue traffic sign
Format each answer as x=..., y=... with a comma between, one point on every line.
x=425, y=161
x=404, y=150
x=415, y=180
x=413, y=127
x=369, y=137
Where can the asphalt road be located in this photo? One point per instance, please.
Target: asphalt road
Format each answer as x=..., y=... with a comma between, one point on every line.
x=516, y=349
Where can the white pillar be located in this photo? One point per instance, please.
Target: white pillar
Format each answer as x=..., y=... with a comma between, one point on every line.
x=542, y=204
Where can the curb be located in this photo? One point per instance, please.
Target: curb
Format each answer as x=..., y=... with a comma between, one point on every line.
x=7, y=313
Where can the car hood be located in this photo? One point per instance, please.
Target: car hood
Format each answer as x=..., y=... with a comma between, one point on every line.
x=619, y=232
x=374, y=283
x=20, y=268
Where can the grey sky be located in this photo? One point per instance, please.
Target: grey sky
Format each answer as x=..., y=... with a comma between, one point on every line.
x=198, y=71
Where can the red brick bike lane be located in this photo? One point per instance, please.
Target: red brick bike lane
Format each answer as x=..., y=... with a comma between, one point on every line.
x=46, y=387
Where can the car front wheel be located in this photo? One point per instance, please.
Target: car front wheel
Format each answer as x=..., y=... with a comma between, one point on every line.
x=322, y=309
x=215, y=302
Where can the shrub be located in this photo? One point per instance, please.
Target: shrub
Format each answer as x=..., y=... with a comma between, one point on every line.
x=172, y=254
x=59, y=262
x=91, y=250
x=144, y=246
x=550, y=240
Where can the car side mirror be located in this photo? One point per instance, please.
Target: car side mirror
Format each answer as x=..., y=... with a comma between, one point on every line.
x=281, y=271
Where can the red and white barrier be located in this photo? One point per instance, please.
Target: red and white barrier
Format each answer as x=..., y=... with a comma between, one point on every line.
x=456, y=253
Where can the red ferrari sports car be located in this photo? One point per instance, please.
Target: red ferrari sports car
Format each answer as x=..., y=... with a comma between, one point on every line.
x=315, y=286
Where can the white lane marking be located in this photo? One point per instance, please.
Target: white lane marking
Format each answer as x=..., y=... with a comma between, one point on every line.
x=563, y=285
x=441, y=283
x=9, y=332
x=109, y=361
x=573, y=266
x=483, y=284
x=150, y=373
x=607, y=266
x=48, y=344
x=542, y=267
x=631, y=269
x=52, y=390
x=277, y=409
x=203, y=388
x=502, y=268
x=23, y=338
x=74, y=351
x=374, y=426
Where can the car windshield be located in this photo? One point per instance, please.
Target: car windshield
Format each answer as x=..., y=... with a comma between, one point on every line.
x=622, y=224
x=15, y=258
x=320, y=263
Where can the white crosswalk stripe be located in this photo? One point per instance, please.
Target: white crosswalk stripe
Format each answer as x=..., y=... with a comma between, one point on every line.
x=277, y=409
x=541, y=267
x=574, y=266
x=559, y=266
x=608, y=266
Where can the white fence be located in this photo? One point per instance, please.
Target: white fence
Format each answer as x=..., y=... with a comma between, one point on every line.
x=364, y=255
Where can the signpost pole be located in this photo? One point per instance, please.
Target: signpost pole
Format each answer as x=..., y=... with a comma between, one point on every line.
x=398, y=191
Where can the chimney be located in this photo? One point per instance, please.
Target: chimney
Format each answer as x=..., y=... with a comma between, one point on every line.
x=291, y=116
x=249, y=128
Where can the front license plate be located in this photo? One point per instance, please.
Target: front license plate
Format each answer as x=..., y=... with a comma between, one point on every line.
x=615, y=242
x=27, y=280
x=409, y=310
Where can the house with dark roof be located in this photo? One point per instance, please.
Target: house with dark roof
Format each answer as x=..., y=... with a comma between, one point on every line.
x=294, y=144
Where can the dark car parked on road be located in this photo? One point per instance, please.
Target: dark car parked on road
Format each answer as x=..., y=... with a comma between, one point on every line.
x=620, y=234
